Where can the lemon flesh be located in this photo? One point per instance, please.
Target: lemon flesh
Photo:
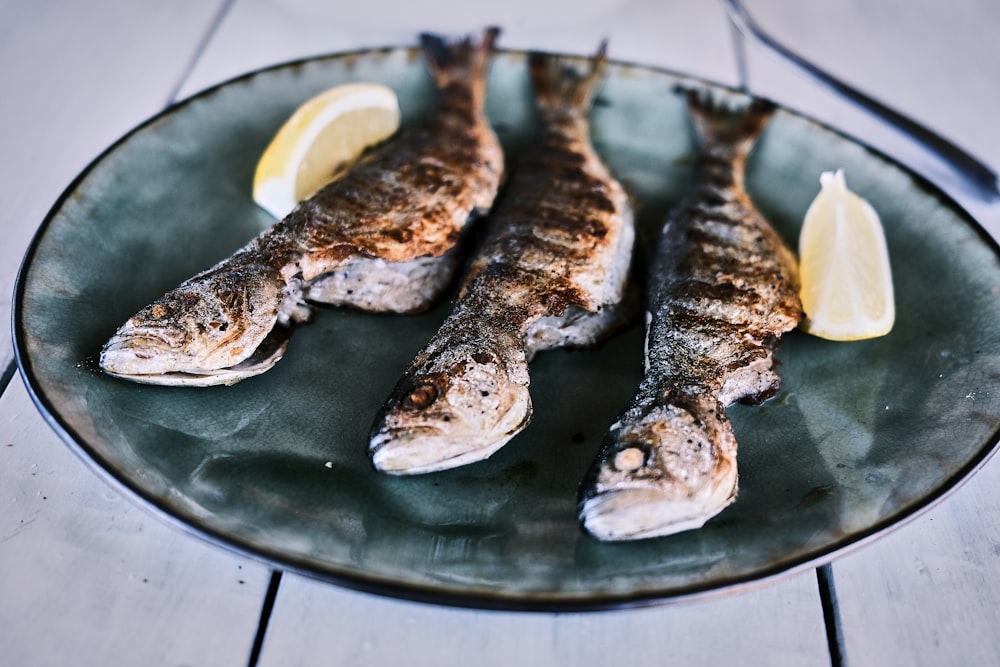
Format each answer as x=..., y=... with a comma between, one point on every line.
x=322, y=136
x=844, y=266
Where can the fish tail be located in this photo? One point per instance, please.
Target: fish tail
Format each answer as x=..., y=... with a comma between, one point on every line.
x=462, y=61
x=721, y=121
x=559, y=87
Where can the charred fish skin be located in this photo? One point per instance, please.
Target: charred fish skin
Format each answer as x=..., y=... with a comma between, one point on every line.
x=722, y=289
x=381, y=237
x=205, y=331
x=550, y=271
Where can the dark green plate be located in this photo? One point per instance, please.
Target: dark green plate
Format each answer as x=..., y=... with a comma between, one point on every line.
x=862, y=436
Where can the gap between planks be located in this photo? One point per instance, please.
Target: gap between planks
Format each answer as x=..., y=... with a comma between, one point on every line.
x=7, y=375
x=824, y=573
x=271, y=595
x=265, y=617
x=831, y=614
x=199, y=51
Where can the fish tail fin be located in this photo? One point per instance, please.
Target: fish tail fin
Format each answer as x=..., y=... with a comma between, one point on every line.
x=558, y=86
x=736, y=122
x=462, y=61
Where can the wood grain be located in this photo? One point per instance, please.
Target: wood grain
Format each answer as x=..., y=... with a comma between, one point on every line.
x=314, y=624
x=687, y=35
x=87, y=577
x=929, y=594
x=77, y=75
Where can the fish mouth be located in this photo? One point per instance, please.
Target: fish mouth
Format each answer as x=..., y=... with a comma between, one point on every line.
x=141, y=351
x=147, y=358
x=412, y=450
x=646, y=511
x=413, y=454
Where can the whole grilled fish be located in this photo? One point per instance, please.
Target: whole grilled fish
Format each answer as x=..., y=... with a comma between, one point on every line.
x=722, y=289
x=380, y=237
x=551, y=271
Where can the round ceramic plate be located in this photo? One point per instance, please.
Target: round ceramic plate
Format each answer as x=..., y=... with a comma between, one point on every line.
x=861, y=437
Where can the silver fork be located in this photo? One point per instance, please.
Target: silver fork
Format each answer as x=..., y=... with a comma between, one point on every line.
x=981, y=181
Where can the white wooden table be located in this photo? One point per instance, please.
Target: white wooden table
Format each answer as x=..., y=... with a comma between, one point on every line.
x=87, y=577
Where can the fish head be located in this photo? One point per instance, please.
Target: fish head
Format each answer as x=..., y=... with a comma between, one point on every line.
x=192, y=330
x=664, y=468
x=443, y=417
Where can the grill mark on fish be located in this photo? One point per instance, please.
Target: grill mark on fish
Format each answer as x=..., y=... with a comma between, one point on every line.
x=550, y=271
x=722, y=289
x=381, y=236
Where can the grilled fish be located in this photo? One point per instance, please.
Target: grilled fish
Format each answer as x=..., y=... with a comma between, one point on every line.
x=381, y=237
x=722, y=289
x=551, y=271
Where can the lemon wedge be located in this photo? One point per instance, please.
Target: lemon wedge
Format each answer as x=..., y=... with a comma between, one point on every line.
x=325, y=134
x=844, y=266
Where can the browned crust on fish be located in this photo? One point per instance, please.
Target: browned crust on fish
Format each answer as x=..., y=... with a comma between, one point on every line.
x=559, y=239
x=562, y=214
x=409, y=199
x=413, y=196
x=722, y=289
x=727, y=285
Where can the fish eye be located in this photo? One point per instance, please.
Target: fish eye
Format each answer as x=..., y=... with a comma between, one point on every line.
x=631, y=458
x=421, y=396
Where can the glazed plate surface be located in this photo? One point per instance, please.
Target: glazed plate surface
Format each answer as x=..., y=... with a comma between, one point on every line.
x=861, y=437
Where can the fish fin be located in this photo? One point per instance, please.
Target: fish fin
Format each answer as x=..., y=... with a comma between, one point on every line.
x=463, y=60
x=720, y=119
x=559, y=86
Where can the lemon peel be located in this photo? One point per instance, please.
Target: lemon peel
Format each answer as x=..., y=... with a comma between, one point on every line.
x=846, y=279
x=324, y=134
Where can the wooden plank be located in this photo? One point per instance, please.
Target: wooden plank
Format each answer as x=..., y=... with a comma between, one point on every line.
x=925, y=59
x=316, y=624
x=689, y=36
x=87, y=577
x=76, y=76
x=929, y=593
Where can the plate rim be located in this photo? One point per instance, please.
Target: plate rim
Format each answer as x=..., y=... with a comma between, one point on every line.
x=356, y=578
